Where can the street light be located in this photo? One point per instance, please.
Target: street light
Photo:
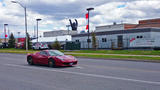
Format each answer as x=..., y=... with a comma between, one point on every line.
x=5, y=35
x=25, y=21
x=68, y=28
x=88, y=9
x=18, y=36
x=37, y=27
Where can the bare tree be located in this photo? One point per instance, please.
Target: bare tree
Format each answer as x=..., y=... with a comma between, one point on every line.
x=94, y=41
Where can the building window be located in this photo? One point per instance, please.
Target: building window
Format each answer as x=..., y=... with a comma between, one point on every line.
x=77, y=40
x=88, y=40
x=104, y=40
x=139, y=36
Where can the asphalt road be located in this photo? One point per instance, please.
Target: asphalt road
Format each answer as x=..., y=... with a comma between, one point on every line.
x=89, y=74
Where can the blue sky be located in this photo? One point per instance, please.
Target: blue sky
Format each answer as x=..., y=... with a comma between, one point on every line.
x=55, y=14
x=121, y=6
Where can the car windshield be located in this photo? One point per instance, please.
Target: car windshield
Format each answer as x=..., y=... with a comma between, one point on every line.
x=55, y=53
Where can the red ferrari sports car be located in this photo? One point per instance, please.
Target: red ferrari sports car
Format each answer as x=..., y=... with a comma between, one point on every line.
x=51, y=58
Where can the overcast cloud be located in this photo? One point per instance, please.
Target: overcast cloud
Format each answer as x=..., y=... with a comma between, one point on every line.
x=55, y=13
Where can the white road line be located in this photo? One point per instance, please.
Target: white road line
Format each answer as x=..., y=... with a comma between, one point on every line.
x=86, y=74
x=78, y=67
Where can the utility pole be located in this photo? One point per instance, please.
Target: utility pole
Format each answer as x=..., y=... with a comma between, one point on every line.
x=25, y=14
x=37, y=27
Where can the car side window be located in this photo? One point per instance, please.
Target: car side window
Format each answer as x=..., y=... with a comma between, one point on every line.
x=43, y=53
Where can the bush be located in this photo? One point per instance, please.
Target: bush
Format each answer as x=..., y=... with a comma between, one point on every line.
x=56, y=45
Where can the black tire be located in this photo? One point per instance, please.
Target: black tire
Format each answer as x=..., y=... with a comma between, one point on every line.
x=30, y=60
x=51, y=63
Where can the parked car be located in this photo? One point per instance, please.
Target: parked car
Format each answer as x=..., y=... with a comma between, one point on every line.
x=1, y=45
x=40, y=46
x=51, y=58
x=19, y=45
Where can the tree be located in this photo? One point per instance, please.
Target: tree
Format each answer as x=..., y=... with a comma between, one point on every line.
x=56, y=45
x=11, y=42
x=29, y=42
x=94, y=43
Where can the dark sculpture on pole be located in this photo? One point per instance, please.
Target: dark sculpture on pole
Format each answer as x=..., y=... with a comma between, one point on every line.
x=74, y=25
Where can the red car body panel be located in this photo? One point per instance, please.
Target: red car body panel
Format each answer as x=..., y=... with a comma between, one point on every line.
x=68, y=60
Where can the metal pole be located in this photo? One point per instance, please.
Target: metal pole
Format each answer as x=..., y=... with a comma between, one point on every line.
x=25, y=22
x=68, y=28
x=8, y=32
x=88, y=30
x=88, y=9
x=18, y=36
x=37, y=31
x=5, y=34
x=26, y=28
x=34, y=31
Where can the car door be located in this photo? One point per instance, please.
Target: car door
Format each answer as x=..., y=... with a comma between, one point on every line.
x=43, y=58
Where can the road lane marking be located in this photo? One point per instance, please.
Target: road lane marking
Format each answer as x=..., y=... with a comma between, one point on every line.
x=121, y=68
x=78, y=67
x=85, y=74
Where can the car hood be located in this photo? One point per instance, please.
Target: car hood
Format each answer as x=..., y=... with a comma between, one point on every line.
x=67, y=58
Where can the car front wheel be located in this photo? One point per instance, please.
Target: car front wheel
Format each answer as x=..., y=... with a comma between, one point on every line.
x=51, y=63
x=30, y=60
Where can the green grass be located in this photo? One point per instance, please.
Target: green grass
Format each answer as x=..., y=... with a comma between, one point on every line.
x=132, y=52
x=117, y=57
x=18, y=51
x=129, y=52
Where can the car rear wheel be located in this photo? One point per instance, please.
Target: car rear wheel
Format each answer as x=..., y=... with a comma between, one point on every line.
x=51, y=63
x=30, y=60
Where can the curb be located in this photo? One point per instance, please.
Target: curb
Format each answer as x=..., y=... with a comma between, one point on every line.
x=125, y=59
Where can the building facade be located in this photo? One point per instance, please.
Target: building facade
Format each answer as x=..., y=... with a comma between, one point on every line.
x=144, y=38
x=59, y=33
x=115, y=27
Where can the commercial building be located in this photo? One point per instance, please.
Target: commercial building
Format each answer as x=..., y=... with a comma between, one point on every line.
x=50, y=40
x=144, y=35
x=146, y=38
x=59, y=33
x=51, y=36
x=115, y=27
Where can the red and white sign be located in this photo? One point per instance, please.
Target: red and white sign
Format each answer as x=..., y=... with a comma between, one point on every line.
x=132, y=39
x=6, y=35
x=86, y=15
x=86, y=21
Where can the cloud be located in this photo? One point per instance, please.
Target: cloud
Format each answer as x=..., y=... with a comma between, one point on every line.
x=55, y=13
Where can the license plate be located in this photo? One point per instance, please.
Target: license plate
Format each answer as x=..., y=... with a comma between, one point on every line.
x=71, y=64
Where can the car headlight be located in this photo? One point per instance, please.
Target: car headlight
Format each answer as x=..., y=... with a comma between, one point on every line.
x=60, y=58
x=75, y=58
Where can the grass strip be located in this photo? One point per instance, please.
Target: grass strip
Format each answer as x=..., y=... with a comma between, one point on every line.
x=18, y=51
x=21, y=51
x=129, y=52
x=117, y=57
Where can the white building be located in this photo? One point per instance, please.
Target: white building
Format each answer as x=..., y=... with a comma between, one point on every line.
x=59, y=33
x=114, y=27
x=144, y=38
x=53, y=39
